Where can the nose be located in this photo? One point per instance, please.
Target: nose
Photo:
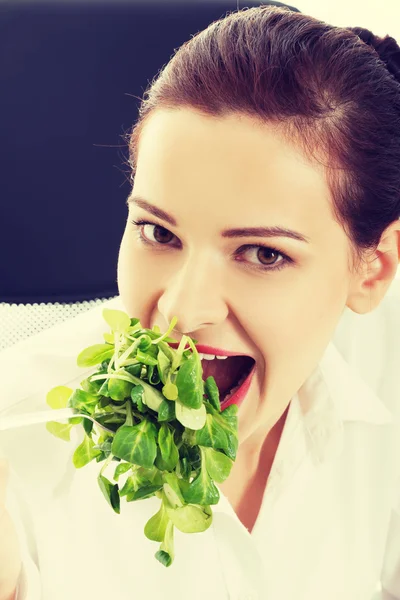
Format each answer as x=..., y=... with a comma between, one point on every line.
x=194, y=294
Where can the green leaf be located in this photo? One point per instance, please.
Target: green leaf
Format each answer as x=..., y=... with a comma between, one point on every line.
x=153, y=475
x=172, y=491
x=110, y=492
x=156, y=526
x=220, y=431
x=137, y=395
x=202, y=489
x=142, y=483
x=134, y=370
x=212, y=391
x=143, y=493
x=84, y=453
x=142, y=408
x=189, y=382
x=166, y=412
x=104, y=402
x=60, y=430
x=136, y=444
x=168, y=455
x=166, y=554
x=139, y=478
x=82, y=400
x=94, y=355
x=169, y=352
x=190, y=417
x=164, y=558
x=228, y=421
x=152, y=396
x=121, y=469
x=170, y=391
x=103, y=390
x=119, y=389
x=163, y=366
x=104, y=447
x=145, y=343
x=109, y=338
x=87, y=426
x=165, y=335
x=218, y=465
x=58, y=396
x=185, y=468
x=212, y=434
x=129, y=486
x=153, y=375
x=118, y=320
x=92, y=387
x=109, y=419
x=190, y=518
x=146, y=359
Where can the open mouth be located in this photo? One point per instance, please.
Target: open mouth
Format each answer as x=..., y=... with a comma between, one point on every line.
x=229, y=374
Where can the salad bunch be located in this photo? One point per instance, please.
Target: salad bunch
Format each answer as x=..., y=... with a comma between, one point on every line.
x=147, y=409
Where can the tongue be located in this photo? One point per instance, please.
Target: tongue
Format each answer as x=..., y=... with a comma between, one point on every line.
x=225, y=372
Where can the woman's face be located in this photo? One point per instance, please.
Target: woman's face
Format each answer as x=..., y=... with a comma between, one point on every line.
x=212, y=175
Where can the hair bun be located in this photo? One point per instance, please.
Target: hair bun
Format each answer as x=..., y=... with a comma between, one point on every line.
x=387, y=48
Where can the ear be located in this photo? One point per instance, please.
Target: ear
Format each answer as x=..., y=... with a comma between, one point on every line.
x=369, y=286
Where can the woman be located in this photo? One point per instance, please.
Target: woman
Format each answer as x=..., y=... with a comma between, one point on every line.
x=265, y=204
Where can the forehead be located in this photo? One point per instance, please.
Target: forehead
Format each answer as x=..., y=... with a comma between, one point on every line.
x=227, y=164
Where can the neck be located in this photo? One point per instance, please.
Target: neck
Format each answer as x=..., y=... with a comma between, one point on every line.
x=254, y=460
x=259, y=449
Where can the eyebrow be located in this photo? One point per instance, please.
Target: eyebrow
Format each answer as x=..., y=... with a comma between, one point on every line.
x=275, y=231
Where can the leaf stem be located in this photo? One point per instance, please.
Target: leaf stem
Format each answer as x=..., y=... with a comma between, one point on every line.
x=129, y=417
x=174, y=321
x=106, y=463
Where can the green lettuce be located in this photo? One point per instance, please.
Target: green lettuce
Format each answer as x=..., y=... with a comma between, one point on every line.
x=155, y=416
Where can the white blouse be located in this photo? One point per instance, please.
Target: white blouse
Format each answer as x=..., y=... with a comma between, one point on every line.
x=329, y=523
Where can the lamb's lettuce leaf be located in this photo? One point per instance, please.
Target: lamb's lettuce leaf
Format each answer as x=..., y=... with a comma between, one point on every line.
x=154, y=415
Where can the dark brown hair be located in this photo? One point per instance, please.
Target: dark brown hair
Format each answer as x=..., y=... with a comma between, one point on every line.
x=333, y=91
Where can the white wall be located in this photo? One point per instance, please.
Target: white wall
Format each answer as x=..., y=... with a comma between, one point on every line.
x=381, y=17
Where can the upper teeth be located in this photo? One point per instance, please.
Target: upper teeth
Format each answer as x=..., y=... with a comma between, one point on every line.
x=210, y=356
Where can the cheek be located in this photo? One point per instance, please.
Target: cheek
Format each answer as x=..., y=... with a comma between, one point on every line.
x=123, y=266
x=292, y=331
x=293, y=323
x=137, y=279
x=129, y=270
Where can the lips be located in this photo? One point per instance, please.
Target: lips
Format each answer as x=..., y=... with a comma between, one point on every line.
x=212, y=350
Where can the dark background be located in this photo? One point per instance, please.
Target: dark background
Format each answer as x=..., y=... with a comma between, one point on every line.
x=69, y=74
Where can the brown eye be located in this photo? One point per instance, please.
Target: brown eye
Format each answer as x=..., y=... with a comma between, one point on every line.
x=160, y=234
x=264, y=255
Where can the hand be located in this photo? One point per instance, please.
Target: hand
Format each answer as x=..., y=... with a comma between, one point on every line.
x=10, y=558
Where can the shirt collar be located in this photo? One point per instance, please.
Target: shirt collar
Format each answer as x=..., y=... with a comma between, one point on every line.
x=351, y=397
x=333, y=395
x=314, y=429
